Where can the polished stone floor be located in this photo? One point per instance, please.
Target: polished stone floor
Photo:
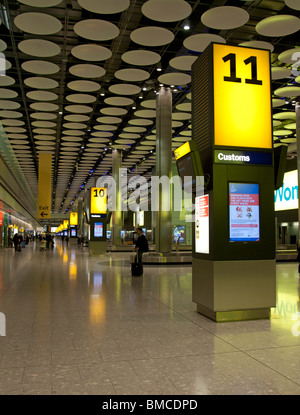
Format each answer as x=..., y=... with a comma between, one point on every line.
x=81, y=325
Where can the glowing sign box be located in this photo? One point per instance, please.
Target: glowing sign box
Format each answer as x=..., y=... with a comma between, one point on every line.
x=202, y=224
x=242, y=97
x=244, y=212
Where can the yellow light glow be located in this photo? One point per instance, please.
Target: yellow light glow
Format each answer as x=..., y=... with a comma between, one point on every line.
x=242, y=103
x=73, y=218
x=66, y=224
x=182, y=150
x=98, y=200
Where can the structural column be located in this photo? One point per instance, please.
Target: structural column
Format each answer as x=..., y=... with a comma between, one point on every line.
x=117, y=203
x=163, y=231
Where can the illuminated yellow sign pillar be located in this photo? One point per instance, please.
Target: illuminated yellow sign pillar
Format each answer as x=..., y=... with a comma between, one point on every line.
x=98, y=212
x=234, y=234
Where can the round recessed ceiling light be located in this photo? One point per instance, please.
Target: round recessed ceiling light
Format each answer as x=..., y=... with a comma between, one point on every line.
x=225, y=17
x=84, y=86
x=81, y=98
x=288, y=91
x=3, y=45
x=42, y=95
x=6, y=80
x=7, y=93
x=289, y=56
x=166, y=10
x=44, y=106
x=9, y=105
x=80, y=109
x=38, y=23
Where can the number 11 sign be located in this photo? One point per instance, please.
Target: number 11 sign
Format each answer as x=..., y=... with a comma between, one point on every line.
x=242, y=97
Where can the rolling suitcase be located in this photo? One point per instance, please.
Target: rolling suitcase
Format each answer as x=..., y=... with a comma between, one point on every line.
x=19, y=248
x=23, y=244
x=136, y=268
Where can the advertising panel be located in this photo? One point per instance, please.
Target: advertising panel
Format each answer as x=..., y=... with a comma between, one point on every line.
x=98, y=230
x=202, y=224
x=244, y=212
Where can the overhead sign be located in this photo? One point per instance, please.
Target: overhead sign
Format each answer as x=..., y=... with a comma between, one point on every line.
x=287, y=196
x=98, y=200
x=73, y=218
x=243, y=157
x=44, y=186
x=182, y=150
x=242, y=97
x=66, y=224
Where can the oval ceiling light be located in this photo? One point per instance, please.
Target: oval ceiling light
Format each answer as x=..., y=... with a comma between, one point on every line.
x=175, y=78
x=41, y=3
x=276, y=102
x=38, y=23
x=132, y=75
x=42, y=95
x=183, y=63
x=10, y=114
x=9, y=105
x=140, y=121
x=258, y=44
x=81, y=98
x=104, y=6
x=277, y=26
x=289, y=56
x=141, y=57
x=293, y=4
x=39, y=47
x=6, y=80
x=80, y=109
x=185, y=106
x=91, y=52
x=113, y=111
x=118, y=101
x=284, y=115
x=44, y=106
x=280, y=73
x=288, y=91
x=7, y=93
x=85, y=70
x=145, y=113
x=43, y=116
x=3, y=45
x=109, y=120
x=225, y=17
x=38, y=82
x=97, y=30
x=40, y=67
x=84, y=86
x=44, y=124
x=166, y=10
x=77, y=118
x=74, y=125
x=124, y=89
x=152, y=36
x=200, y=41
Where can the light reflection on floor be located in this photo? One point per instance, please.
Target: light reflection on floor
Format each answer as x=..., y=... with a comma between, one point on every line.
x=81, y=325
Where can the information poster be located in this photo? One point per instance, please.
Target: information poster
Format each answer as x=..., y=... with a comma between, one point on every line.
x=202, y=224
x=243, y=212
x=98, y=230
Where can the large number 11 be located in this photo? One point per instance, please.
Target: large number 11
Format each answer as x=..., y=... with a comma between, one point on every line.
x=233, y=78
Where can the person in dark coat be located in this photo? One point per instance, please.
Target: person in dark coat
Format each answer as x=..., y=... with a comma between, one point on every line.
x=141, y=245
x=16, y=240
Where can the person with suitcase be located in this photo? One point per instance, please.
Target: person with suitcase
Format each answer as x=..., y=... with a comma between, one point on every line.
x=141, y=246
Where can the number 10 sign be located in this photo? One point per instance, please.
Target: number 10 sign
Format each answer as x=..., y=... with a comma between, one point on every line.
x=98, y=200
x=242, y=97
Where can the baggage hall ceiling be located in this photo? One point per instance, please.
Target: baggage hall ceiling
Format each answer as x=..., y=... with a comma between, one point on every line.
x=81, y=77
